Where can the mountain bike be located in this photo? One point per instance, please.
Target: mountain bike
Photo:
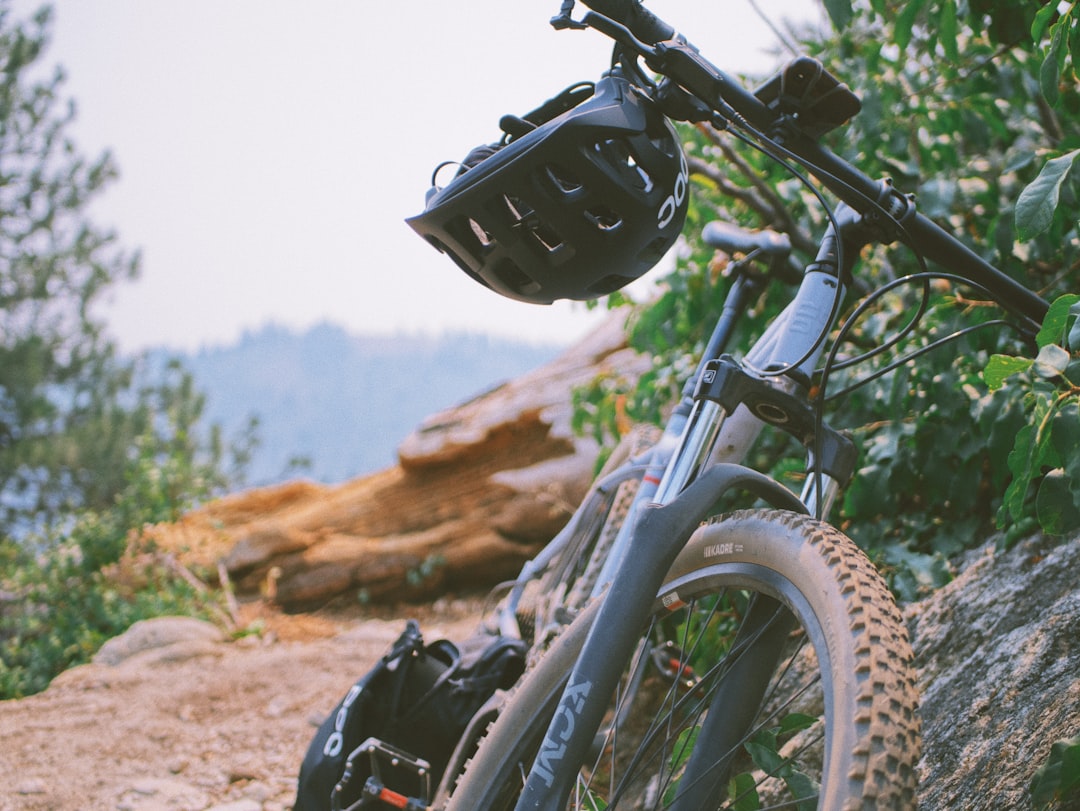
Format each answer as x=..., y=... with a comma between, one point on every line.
x=688, y=656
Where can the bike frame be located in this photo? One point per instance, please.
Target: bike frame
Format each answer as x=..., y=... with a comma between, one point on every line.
x=699, y=466
x=711, y=431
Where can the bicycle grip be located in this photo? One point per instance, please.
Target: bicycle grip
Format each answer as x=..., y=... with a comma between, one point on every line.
x=644, y=25
x=729, y=238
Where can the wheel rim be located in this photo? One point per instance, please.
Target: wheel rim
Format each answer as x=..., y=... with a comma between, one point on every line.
x=772, y=755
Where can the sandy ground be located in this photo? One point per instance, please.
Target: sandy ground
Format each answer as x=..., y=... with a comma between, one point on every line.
x=198, y=725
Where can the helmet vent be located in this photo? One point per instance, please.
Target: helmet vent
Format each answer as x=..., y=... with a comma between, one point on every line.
x=519, y=209
x=515, y=278
x=564, y=181
x=643, y=177
x=654, y=251
x=603, y=218
x=482, y=235
x=527, y=221
x=618, y=155
x=469, y=236
x=546, y=237
x=609, y=284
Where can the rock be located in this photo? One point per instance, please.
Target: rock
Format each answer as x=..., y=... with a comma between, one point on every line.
x=183, y=636
x=162, y=794
x=32, y=785
x=998, y=657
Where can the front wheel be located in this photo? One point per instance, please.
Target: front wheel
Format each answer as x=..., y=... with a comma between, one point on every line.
x=775, y=672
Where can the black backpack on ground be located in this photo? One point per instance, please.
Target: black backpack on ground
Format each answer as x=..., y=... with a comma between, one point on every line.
x=387, y=742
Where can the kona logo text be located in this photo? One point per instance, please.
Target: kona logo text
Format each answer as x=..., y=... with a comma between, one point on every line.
x=562, y=727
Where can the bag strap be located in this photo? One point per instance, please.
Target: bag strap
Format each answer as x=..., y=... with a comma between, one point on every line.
x=400, y=659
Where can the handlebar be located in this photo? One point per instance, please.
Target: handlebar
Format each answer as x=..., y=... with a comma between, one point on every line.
x=678, y=60
x=642, y=23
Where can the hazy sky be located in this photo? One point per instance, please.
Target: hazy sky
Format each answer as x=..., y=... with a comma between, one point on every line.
x=269, y=151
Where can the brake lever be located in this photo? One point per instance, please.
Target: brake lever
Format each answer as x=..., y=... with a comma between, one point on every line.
x=620, y=33
x=563, y=21
x=765, y=244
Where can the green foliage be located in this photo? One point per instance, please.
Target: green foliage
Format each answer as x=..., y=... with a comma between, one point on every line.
x=427, y=570
x=1059, y=61
x=62, y=597
x=955, y=108
x=1058, y=780
x=89, y=452
x=1039, y=200
x=968, y=134
x=1045, y=467
x=764, y=751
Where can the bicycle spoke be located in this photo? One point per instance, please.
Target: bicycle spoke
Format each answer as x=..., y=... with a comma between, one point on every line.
x=663, y=747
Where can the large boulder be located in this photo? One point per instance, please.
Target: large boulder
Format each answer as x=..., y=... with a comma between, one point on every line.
x=998, y=657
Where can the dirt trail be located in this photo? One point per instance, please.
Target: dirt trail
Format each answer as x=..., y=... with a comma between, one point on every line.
x=203, y=726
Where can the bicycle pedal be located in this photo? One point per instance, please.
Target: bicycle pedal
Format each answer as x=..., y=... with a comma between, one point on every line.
x=410, y=776
x=668, y=659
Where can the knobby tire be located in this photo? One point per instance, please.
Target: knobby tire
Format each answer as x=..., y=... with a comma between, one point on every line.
x=775, y=653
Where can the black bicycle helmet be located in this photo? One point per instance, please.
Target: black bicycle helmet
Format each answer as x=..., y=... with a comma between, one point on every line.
x=575, y=206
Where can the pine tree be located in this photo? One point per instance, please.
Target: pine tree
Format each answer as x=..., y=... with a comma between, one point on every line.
x=72, y=421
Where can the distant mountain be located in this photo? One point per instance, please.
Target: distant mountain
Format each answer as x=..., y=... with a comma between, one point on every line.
x=344, y=402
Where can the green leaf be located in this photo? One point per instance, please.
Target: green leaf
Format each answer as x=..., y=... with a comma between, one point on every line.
x=1042, y=21
x=743, y=790
x=765, y=756
x=1066, y=432
x=796, y=722
x=1051, y=361
x=917, y=573
x=684, y=747
x=840, y=13
x=1036, y=205
x=1050, y=72
x=1059, y=777
x=1018, y=157
x=1042, y=418
x=1074, y=42
x=1020, y=463
x=803, y=789
x=1000, y=367
x=1057, y=316
x=1072, y=343
x=1055, y=503
x=947, y=30
x=905, y=22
